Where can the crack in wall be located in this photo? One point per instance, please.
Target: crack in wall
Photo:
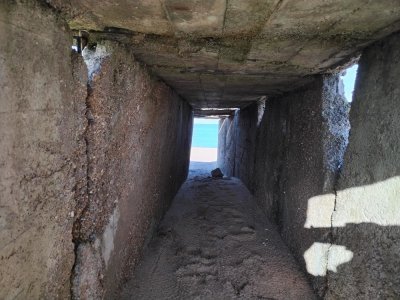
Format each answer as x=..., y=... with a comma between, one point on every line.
x=77, y=223
x=335, y=114
x=87, y=247
x=331, y=235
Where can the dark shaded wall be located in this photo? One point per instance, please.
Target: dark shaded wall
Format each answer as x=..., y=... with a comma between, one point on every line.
x=86, y=171
x=313, y=146
x=291, y=156
x=366, y=219
x=236, y=140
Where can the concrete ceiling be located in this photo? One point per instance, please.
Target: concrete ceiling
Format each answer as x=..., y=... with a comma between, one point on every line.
x=225, y=53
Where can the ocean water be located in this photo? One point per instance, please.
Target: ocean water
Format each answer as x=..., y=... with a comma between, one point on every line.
x=205, y=135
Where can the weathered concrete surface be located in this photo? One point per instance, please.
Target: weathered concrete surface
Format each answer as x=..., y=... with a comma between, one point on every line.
x=315, y=139
x=269, y=156
x=138, y=143
x=298, y=146
x=214, y=243
x=236, y=144
x=42, y=151
x=226, y=145
x=366, y=219
x=96, y=169
x=219, y=53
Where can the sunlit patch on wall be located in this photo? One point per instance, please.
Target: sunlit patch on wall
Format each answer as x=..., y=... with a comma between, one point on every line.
x=319, y=211
x=377, y=203
x=321, y=257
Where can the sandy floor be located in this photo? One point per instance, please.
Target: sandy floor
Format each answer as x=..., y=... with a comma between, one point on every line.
x=203, y=154
x=214, y=244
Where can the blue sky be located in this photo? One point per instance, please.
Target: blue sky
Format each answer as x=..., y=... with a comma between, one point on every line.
x=349, y=80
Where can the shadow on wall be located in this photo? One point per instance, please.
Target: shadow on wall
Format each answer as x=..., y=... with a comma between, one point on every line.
x=334, y=196
x=360, y=257
x=345, y=230
x=337, y=208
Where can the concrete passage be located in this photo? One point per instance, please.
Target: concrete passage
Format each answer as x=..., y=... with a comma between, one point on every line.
x=215, y=244
x=95, y=145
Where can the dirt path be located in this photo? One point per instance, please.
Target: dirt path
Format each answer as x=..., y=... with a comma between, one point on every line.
x=213, y=244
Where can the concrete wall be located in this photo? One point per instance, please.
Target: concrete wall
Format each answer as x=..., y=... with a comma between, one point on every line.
x=269, y=159
x=366, y=219
x=314, y=144
x=226, y=145
x=138, y=152
x=42, y=151
x=85, y=173
x=298, y=147
x=338, y=207
x=236, y=140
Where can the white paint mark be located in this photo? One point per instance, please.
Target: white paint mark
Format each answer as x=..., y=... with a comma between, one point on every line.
x=107, y=241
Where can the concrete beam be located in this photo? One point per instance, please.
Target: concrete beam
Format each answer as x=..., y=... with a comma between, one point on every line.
x=237, y=38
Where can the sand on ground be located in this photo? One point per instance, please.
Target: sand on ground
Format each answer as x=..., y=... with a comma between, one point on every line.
x=214, y=243
x=203, y=154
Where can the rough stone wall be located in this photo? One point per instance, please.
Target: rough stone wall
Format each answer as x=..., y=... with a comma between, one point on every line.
x=366, y=218
x=42, y=151
x=138, y=152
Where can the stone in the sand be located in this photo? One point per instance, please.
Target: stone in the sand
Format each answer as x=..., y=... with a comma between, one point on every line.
x=216, y=173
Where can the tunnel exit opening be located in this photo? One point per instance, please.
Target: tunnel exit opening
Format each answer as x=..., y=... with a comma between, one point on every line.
x=348, y=77
x=203, y=152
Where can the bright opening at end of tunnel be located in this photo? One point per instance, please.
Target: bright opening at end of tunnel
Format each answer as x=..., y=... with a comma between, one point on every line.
x=349, y=79
x=204, y=143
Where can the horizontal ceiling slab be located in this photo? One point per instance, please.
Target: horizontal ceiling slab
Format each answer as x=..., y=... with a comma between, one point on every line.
x=224, y=53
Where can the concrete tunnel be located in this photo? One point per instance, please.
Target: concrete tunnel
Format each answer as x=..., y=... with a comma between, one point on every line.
x=97, y=100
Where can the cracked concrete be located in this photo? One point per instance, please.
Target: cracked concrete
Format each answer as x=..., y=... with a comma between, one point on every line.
x=87, y=171
x=290, y=160
x=366, y=216
x=68, y=156
x=128, y=114
x=220, y=53
x=42, y=176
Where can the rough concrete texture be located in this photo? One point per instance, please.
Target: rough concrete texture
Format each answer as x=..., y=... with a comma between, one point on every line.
x=138, y=142
x=315, y=138
x=298, y=148
x=42, y=151
x=236, y=141
x=366, y=219
x=220, y=53
x=215, y=243
x=85, y=173
x=226, y=145
x=269, y=157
